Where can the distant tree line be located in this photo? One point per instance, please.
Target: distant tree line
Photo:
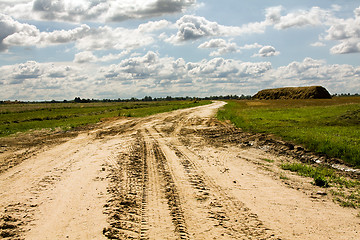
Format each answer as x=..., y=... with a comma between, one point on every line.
x=168, y=98
x=151, y=99
x=345, y=95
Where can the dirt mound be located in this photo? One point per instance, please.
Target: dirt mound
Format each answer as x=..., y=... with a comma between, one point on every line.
x=314, y=92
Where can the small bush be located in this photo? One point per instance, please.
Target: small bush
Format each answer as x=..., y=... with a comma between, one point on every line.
x=321, y=181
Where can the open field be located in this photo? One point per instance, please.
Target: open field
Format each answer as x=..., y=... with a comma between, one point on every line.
x=23, y=117
x=327, y=126
x=175, y=175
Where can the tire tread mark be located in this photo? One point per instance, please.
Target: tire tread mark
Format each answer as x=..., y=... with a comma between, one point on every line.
x=223, y=204
x=128, y=186
x=171, y=193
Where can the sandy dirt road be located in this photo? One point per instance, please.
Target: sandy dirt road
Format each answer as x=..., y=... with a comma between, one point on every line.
x=163, y=177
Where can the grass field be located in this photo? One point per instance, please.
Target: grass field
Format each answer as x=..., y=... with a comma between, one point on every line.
x=330, y=126
x=23, y=117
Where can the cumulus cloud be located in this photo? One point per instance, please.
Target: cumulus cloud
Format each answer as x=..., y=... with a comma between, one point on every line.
x=149, y=66
x=8, y=27
x=251, y=46
x=335, y=77
x=160, y=70
x=38, y=75
x=43, y=81
x=85, y=57
x=314, y=16
x=194, y=27
x=14, y=33
x=267, y=51
x=346, y=46
x=347, y=31
x=151, y=74
x=222, y=46
x=318, y=44
x=153, y=26
x=113, y=38
x=89, y=57
x=100, y=10
x=35, y=37
x=26, y=70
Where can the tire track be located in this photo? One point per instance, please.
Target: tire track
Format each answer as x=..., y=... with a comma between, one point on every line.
x=231, y=214
x=127, y=206
x=171, y=194
x=169, y=187
x=196, y=180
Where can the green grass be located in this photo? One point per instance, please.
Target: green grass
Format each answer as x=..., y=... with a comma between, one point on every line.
x=345, y=191
x=268, y=160
x=321, y=175
x=330, y=126
x=23, y=117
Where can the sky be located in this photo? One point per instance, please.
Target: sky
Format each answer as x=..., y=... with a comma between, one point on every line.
x=110, y=49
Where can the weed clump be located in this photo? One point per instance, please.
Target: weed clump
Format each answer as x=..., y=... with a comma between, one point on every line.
x=321, y=181
x=346, y=192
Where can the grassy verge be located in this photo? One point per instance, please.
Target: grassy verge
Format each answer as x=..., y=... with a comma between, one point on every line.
x=346, y=192
x=330, y=126
x=23, y=117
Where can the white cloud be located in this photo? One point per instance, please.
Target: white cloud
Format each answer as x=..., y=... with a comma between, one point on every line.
x=222, y=46
x=35, y=37
x=251, y=46
x=151, y=74
x=153, y=26
x=267, y=51
x=111, y=57
x=164, y=72
x=346, y=46
x=194, y=27
x=315, y=16
x=85, y=57
x=9, y=26
x=14, y=33
x=26, y=70
x=336, y=7
x=113, y=38
x=336, y=77
x=273, y=14
x=101, y=10
x=318, y=44
x=88, y=57
x=38, y=75
x=347, y=31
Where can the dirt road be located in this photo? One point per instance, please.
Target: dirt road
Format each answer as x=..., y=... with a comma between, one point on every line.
x=164, y=177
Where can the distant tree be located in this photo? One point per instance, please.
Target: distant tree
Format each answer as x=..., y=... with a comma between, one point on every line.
x=147, y=99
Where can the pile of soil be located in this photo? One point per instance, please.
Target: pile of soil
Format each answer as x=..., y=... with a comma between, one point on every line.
x=313, y=92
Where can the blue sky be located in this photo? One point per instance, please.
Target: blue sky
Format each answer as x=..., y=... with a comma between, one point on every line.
x=61, y=49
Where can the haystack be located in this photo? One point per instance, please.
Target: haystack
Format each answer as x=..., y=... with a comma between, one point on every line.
x=313, y=92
